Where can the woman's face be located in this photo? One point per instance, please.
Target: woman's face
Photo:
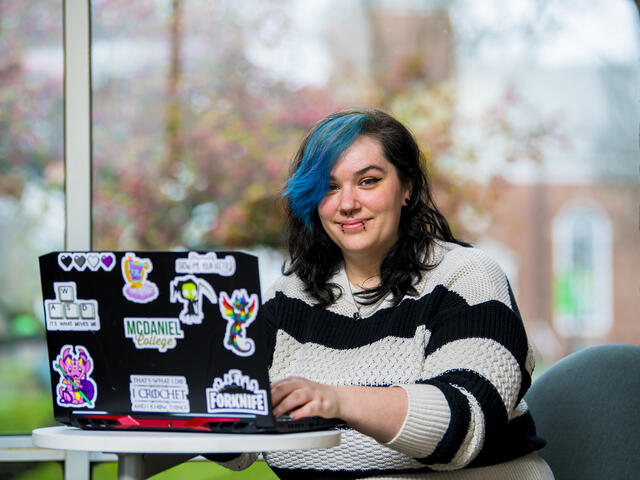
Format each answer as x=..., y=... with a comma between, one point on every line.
x=361, y=210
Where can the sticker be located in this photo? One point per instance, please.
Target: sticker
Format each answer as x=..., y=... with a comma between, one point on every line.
x=91, y=260
x=137, y=288
x=206, y=263
x=236, y=393
x=107, y=261
x=75, y=388
x=158, y=333
x=239, y=311
x=65, y=261
x=67, y=312
x=189, y=290
x=159, y=393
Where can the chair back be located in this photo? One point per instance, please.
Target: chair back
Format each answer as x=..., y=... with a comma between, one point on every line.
x=587, y=406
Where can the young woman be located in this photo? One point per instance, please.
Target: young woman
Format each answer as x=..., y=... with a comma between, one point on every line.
x=385, y=320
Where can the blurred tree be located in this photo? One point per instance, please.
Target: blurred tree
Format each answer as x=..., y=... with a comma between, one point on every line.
x=30, y=96
x=192, y=139
x=231, y=126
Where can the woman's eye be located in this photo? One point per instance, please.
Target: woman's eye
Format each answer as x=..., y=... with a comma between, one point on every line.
x=333, y=187
x=369, y=181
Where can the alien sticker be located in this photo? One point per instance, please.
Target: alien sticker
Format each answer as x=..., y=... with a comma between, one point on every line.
x=239, y=311
x=76, y=388
x=189, y=290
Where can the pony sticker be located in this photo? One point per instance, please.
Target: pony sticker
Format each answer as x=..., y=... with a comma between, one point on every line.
x=76, y=388
x=137, y=288
x=239, y=311
x=190, y=290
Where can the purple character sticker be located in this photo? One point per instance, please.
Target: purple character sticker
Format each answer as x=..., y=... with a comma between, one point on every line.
x=137, y=288
x=76, y=388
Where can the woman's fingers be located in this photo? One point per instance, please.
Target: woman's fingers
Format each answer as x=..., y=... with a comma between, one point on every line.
x=303, y=398
x=288, y=394
x=282, y=388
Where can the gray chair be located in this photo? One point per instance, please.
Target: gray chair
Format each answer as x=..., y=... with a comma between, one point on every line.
x=587, y=406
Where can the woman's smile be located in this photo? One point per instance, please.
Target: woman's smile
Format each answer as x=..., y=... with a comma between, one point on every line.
x=355, y=225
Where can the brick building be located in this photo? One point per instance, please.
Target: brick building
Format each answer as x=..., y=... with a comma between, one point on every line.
x=578, y=237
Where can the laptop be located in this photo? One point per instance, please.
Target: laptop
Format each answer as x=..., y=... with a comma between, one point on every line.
x=159, y=341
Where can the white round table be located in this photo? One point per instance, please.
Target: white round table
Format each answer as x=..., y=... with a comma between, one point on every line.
x=131, y=445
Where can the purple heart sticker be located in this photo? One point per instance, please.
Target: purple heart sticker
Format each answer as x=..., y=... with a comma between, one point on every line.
x=107, y=260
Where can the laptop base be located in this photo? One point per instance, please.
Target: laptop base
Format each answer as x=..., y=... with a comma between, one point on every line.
x=177, y=423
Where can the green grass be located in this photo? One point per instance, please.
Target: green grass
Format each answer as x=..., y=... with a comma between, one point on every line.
x=21, y=412
x=32, y=471
x=109, y=471
x=194, y=471
x=25, y=403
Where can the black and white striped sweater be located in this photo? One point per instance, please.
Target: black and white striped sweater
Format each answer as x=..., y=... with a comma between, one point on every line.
x=459, y=349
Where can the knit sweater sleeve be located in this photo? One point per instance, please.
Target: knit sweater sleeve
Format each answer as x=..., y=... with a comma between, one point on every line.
x=477, y=367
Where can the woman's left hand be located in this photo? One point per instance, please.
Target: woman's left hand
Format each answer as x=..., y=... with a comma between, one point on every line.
x=304, y=398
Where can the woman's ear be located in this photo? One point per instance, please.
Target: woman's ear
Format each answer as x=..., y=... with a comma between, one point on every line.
x=406, y=192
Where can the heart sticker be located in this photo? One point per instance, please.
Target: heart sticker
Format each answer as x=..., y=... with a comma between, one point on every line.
x=93, y=260
x=108, y=260
x=80, y=261
x=64, y=260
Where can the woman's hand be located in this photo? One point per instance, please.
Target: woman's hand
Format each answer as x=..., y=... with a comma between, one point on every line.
x=304, y=398
x=375, y=411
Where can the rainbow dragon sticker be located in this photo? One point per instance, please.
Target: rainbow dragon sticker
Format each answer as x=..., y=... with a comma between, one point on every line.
x=239, y=311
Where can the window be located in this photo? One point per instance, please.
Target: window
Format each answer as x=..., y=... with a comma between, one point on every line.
x=582, y=271
x=32, y=220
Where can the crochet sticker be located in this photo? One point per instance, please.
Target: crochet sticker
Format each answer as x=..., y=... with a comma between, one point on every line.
x=236, y=393
x=94, y=261
x=190, y=291
x=159, y=393
x=76, y=388
x=239, y=311
x=134, y=271
x=156, y=333
x=67, y=312
x=206, y=263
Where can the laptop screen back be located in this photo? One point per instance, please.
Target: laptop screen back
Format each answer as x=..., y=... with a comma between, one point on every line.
x=155, y=333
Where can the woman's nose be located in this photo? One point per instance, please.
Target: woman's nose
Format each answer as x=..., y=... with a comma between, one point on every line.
x=348, y=201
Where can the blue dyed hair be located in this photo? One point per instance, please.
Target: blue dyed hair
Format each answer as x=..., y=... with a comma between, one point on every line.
x=318, y=153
